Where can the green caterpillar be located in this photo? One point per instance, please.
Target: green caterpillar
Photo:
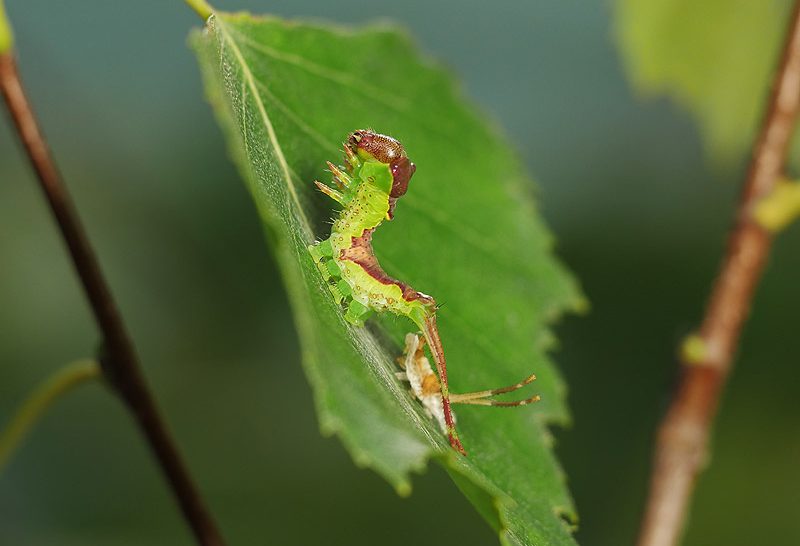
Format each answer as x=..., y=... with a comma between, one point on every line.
x=376, y=174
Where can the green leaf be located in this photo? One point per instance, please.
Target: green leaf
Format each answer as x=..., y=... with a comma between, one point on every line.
x=713, y=57
x=287, y=94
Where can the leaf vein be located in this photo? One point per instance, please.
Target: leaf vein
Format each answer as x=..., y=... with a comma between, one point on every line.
x=356, y=84
x=284, y=165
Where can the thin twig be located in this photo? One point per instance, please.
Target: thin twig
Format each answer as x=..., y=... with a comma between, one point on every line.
x=682, y=444
x=119, y=361
x=42, y=397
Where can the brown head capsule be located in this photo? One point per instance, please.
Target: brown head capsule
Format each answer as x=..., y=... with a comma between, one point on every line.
x=386, y=150
x=381, y=147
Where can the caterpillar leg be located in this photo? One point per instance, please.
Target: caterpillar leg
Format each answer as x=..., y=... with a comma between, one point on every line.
x=425, y=318
x=484, y=398
x=330, y=192
x=322, y=254
x=354, y=311
x=340, y=178
x=426, y=387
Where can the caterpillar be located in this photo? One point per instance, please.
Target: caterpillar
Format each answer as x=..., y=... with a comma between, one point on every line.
x=376, y=174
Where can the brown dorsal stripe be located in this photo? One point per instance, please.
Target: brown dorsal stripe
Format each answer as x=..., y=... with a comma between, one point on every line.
x=360, y=252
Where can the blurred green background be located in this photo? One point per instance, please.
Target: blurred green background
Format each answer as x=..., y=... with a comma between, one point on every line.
x=639, y=215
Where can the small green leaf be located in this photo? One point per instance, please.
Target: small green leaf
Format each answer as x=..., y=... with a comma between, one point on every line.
x=713, y=57
x=287, y=94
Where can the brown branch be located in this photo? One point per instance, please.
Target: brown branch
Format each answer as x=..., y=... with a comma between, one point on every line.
x=682, y=443
x=119, y=362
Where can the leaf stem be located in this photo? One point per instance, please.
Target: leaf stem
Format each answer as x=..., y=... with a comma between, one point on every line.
x=119, y=362
x=52, y=388
x=683, y=437
x=6, y=34
x=201, y=7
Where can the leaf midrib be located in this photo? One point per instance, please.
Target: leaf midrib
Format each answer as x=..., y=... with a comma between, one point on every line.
x=251, y=83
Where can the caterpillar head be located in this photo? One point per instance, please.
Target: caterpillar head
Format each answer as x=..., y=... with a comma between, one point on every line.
x=369, y=145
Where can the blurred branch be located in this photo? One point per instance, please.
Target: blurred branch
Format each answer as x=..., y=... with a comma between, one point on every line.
x=59, y=383
x=119, y=362
x=682, y=444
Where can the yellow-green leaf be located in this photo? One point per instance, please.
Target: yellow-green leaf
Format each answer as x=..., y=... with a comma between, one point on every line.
x=713, y=57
